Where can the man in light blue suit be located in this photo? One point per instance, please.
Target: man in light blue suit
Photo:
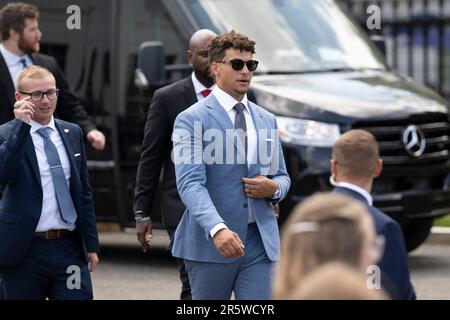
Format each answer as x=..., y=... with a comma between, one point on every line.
x=230, y=172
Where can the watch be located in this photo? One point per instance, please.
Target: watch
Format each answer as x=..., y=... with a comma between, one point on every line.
x=276, y=195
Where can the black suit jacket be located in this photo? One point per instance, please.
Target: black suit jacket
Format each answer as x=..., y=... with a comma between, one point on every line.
x=156, y=150
x=68, y=108
x=394, y=263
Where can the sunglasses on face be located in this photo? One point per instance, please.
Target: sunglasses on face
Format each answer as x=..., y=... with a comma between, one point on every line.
x=238, y=64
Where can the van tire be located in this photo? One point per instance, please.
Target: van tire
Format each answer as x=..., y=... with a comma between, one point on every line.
x=416, y=232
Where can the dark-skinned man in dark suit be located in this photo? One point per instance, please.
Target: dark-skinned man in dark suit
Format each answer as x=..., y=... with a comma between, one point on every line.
x=354, y=166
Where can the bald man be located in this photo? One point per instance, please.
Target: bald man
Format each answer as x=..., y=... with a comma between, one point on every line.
x=166, y=104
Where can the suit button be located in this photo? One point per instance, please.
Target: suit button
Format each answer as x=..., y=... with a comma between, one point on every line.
x=245, y=205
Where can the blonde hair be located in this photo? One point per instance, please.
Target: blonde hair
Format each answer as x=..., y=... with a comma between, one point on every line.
x=335, y=281
x=356, y=153
x=32, y=72
x=322, y=229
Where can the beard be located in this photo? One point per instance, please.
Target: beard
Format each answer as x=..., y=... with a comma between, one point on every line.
x=206, y=77
x=27, y=46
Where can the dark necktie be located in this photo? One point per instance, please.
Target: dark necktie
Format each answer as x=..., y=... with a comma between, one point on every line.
x=206, y=92
x=23, y=62
x=68, y=212
x=239, y=123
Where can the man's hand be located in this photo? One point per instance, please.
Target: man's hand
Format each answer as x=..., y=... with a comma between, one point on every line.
x=259, y=187
x=92, y=261
x=144, y=234
x=228, y=243
x=96, y=139
x=24, y=110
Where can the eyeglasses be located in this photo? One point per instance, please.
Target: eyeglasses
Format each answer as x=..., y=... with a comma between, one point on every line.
x=238, y=64
x=37, y=96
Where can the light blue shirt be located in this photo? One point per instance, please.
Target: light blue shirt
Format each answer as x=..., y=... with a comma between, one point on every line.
x=13, y=63
x=50, y=216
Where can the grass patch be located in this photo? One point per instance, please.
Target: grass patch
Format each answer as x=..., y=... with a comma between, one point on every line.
x=442, y=222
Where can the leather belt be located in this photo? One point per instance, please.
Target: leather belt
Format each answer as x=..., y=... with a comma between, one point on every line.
x=53, y=234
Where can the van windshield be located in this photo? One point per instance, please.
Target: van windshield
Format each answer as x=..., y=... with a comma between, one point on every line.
x=291, y=36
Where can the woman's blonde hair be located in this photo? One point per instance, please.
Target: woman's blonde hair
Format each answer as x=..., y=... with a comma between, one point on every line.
x=322, y=229
x=335, y=281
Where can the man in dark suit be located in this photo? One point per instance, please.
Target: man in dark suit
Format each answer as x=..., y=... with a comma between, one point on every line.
x=156, y=150
x=355, y=163
x=19, y=48
x=48, y=236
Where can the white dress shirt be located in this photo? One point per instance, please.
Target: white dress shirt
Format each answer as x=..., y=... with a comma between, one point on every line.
x=357, y=189
x=13, y=63
x=50, y=216
x=228, y=103
x=199, y=87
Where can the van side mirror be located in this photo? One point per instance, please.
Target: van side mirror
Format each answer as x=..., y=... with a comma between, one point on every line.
x=150, y=70
x=380, y=43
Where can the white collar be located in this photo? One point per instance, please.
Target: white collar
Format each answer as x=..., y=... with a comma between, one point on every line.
x=10, y=57
x=227, y=101
x=357, y=189
x=198, y=86
x=36, y=126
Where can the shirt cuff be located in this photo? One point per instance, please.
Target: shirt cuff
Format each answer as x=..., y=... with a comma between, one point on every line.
x=217, y=228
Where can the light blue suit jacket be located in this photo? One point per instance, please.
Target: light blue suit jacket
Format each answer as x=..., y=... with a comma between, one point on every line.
x=213, y=192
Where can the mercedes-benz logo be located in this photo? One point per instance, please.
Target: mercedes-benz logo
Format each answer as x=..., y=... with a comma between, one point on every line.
x=414, y=141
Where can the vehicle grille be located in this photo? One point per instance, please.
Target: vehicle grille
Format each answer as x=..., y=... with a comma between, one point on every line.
x=389, y=136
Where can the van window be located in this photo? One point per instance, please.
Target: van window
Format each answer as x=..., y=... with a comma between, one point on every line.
x=295, y=36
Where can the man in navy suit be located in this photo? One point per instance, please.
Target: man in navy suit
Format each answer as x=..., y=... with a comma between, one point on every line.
x=355, y=163
x=48, y=236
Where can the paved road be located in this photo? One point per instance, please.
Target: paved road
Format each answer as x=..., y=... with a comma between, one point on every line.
x=127, y=273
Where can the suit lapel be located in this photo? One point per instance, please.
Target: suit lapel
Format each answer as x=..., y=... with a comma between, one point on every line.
x=258, y=120
x=189, y=92
x=65, y=134
x=30, y=154
x=6, y=81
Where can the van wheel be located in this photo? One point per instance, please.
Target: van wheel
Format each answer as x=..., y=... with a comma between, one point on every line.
x=416, y=232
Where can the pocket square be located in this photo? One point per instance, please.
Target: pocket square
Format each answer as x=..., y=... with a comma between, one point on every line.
x=77, y=155
x=268, y=139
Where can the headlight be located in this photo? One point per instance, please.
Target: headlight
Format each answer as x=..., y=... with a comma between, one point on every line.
x=308, y=132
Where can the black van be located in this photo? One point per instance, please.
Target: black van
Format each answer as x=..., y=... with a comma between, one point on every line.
x=318, y=73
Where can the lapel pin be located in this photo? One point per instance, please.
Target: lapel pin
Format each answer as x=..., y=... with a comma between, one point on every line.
x=66, y=130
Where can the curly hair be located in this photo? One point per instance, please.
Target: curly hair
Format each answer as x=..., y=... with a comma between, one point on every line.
x=13, y=15
x=231, y=39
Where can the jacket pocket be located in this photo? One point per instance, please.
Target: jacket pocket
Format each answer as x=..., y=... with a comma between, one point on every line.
x=7, y=217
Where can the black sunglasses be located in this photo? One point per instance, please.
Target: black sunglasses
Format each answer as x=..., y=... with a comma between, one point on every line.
x=238, y=64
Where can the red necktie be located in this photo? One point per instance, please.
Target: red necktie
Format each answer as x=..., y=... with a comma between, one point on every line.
x=206, y=92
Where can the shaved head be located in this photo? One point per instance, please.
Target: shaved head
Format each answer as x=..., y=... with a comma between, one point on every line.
x=200, y=37
x=198, y=55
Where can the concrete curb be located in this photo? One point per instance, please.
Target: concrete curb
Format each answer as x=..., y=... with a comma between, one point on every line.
x=439, y=235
